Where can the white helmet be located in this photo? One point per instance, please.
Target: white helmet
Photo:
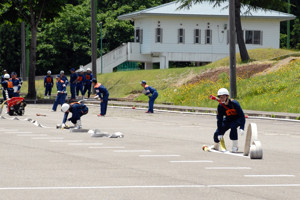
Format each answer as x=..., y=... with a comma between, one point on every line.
x=223, y=91
x=65, y=107
x=48, y=72
x=6, y=76
x=88, y=69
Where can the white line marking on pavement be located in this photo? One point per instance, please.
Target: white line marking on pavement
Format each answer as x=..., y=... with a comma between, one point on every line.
x=47, y=138
x=84, y=144
x=131, y=151
x=145, y=187
x=32, y=135
x=17, y=132
x=106, y=147
x=64, y=141
x=227, y=168
x=274, y=175
x=191, y=161
x=159, y=155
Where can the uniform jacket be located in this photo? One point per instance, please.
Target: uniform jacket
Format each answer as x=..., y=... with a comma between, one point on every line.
x=232, y=112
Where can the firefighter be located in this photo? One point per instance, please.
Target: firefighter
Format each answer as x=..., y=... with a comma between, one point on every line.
x=7, y=85
x=16, y=84
x=151, y=93
x=48, y=84
x=79, y=83
x=230, y=115
x=61, y=93
x=103, y=94
x=88, y=82
x=73, y=80
x=77, y=109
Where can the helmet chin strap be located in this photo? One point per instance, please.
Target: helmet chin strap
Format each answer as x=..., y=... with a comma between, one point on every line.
x=223, y=102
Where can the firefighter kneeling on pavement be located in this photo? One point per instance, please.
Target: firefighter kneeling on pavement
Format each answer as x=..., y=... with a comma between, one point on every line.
x=77, y=109
x=229, y=116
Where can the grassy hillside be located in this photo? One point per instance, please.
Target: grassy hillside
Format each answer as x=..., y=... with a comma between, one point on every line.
x=274, y=91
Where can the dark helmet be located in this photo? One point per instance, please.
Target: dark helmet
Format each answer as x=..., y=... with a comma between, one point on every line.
x=94, y=80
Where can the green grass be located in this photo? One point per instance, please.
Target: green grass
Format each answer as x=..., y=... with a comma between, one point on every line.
x=278, y=91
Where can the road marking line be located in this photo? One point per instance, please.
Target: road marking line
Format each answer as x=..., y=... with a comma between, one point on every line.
x=145, y=187
x=17, y=132
x=47, y=138
x=106, y=147
x=31, y=135
x=84, y=144
x=227, y=168
x=131, y=151
x=275, y=175
x=159, y=155
x=191, y=161
x=62, y=141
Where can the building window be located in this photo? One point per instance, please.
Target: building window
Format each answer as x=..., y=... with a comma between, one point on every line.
x=158, y=35
x=208, y=36
x=139, y=35
x=197, y=36
x=253, y=37
x=181, y=35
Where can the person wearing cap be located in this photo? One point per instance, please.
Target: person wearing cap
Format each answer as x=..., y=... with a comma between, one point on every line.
x=103, y=94
x=88, y=82
x=2, y=79
x=79, y=83
x=16, y=84
x=151, y=93
x=73, y=79
x=63, y=77
x=48, y=84
x=61, y=93
x=7, y=84
x=230, y=115
x=78, y=109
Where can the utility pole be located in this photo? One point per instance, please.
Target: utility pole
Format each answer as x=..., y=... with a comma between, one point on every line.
x=288, y=27
x=101, y=37
x=23, y=51
x=94, y=38
x=232, y=57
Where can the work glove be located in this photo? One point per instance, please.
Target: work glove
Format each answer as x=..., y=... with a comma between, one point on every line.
x=241, y=131
x=96, y=97
x=220, y=137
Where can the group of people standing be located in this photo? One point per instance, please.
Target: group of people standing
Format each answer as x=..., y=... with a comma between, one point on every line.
x=11, y=85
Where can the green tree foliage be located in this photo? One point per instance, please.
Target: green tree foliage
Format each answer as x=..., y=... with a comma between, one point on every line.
x=10, y=45
x=32, y=12
x=65, y=42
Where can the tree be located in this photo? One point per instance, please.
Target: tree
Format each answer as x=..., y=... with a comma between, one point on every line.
x=251, y=5
x=32, y=12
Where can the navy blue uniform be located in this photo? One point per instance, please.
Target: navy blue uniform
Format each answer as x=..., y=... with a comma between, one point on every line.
x=17, y=83
x=8, y=86
x=73, y=79
x=77, y=110
x=48, y=84
x=152, y=94
x=61, y=94
x=88, y=83
x=103, y=93
x=79, y=84
x=229, y=118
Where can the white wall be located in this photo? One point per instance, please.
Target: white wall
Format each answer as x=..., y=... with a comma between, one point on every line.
x=219, y=45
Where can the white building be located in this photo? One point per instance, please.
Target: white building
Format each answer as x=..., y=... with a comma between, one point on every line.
x=199, y=34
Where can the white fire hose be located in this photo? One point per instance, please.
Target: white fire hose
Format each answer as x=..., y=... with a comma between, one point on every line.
x=252, y=144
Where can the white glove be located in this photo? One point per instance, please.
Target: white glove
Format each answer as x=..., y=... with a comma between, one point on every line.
x=241, y=131
x=96, y=97
x=220, y=137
